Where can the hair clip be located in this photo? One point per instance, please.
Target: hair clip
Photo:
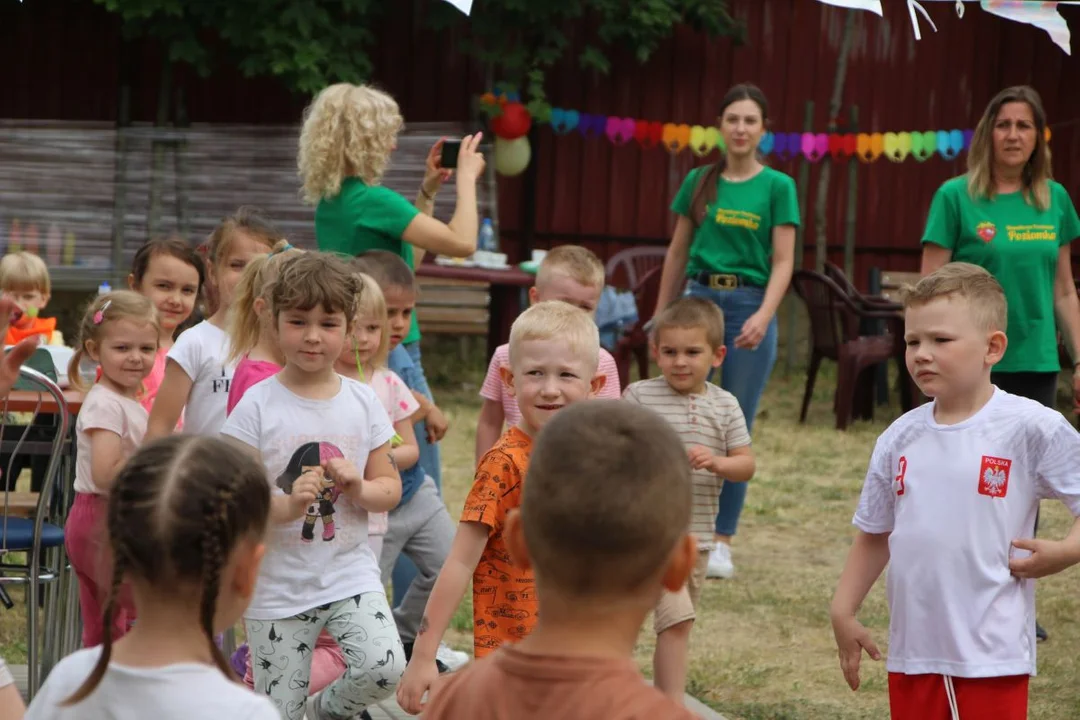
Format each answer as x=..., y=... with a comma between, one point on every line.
x=283, y=248
x=99, y=316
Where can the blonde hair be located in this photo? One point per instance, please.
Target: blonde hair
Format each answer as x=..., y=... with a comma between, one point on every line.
x=248, y=220
x=692, y=313
x=371, y=303
x=1037, y=171
x=315, y=279
x=105, y=309
x=24, y=271
x=575, y=262
x=349, y=130
x=982, y=291
x=256, y=282
x=555, y=319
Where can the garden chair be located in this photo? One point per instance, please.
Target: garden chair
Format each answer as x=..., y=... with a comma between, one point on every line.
x=835, y=319
x=627, y=267
x=635, y=342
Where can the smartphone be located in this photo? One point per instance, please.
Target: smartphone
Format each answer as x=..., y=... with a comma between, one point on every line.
x=450, y=149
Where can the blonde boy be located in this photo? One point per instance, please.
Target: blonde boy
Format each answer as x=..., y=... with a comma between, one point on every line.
x=24, y=279
x=554, y=350
x=688, y=343
x=949, y=503
x=635, y=494
x=569, y=273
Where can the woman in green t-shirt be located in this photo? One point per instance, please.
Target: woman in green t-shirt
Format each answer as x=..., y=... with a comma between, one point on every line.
x=1008, y=216
x=734, y=243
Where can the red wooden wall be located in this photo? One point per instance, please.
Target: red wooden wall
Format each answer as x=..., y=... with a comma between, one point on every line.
x=63, y=61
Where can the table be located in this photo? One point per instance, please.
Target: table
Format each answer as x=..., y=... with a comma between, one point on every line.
x=27, y=401
x=505, y=294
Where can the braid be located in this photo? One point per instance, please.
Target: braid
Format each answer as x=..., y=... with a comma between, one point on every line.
x=216, y=528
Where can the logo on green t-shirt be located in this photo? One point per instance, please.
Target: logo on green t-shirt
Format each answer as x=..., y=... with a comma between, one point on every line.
x=986, y=230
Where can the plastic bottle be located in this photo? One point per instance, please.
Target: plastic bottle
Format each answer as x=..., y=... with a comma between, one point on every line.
x=486, y=242
x=104, y=287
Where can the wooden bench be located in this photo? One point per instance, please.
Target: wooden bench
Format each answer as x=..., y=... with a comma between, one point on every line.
x=452, y=307
x=894, y=283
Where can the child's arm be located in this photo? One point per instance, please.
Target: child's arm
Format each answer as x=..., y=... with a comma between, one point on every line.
x=407, y=453
x=489, y=427
x=737, y=466
x=1048, y=556
x=283, y=508
x=425, y=407
x=866, y=561
x=170, y=401
x=437, y=424
x=453, y=580
x=378, y=489
x=106, y=457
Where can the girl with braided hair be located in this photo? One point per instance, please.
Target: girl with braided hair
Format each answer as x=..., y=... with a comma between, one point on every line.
x=186, y=520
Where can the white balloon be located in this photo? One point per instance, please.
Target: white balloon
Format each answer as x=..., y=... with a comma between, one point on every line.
x=512, y=156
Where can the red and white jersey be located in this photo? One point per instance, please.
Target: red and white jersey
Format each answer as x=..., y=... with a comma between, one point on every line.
x=953, y=498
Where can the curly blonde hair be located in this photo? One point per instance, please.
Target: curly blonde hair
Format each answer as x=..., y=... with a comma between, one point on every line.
x=349, y=130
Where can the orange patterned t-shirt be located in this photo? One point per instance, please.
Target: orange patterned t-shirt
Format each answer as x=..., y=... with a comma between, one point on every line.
x=504, y=596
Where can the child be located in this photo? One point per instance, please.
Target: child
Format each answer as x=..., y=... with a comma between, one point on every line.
x=186, y=520
x=949, y=503
x=24, y=278
x=553, y=363
x=569, y=273
x=253, y=342
x=423, y=527
x=593, y=597
x=197, y=376
x=119, y=331
x=325, y=442
x=688, y=343
x=171, y=274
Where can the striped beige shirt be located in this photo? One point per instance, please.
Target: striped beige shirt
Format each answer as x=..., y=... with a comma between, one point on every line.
x=713, y=420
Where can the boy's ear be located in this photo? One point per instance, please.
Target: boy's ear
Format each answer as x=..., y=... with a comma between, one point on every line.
x=597, y=384
x=997, y=344
x=131, y=281
x=718, y=356
x=508, y=379
x=514, y=535
x=681, y=563
x=534, y=295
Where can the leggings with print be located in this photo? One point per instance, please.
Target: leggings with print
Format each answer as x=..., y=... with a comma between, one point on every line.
x=363, y=627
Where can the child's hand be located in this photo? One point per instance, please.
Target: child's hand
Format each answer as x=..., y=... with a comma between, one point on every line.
x=437, y=425
x=345, y=474
x=700, y=458
x=1047, y=558
x=851, y=639
x=416, y=681
x=305, y=491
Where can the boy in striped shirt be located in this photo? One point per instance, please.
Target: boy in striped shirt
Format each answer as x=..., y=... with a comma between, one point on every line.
x=688, y=342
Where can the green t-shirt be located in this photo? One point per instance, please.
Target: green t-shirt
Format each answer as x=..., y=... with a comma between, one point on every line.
x=1019, y=246
x=366, y=217
x=736, y=233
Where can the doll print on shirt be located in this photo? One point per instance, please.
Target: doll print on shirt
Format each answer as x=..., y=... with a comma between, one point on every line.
x=309, y=458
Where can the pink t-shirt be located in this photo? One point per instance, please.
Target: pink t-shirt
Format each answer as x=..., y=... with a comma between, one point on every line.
x=103, y=409
x=400, y=405
x=248, y=372
x=494, y=390
x=152, y=382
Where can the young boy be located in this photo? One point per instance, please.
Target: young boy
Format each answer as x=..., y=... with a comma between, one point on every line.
x=554, y=351
x=578, y=663
x=24, y=279
x=421, y=529
x=688, y=343
x=569, y=273
x=949, y=503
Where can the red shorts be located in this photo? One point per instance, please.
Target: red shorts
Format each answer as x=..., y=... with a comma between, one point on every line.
x=931, y=697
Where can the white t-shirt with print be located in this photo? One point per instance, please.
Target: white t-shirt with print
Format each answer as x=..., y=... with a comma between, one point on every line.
x=954, y=497
x=399, y=404
x=329, y=559
x=200, y=352
x=103, y=409
x=173, y=692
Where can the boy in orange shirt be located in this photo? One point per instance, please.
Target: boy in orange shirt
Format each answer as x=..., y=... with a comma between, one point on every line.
x=24, y=279
x=554, y=352
x=603, y=469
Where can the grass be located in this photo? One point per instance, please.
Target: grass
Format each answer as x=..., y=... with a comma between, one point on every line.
x=762, y=648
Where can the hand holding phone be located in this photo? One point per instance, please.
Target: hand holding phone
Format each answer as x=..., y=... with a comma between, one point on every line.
x=450, y=150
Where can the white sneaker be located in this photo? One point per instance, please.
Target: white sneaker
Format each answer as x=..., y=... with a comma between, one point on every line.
x=720, y=565
x=450, y=657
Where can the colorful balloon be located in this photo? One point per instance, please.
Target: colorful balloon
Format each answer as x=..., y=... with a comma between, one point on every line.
x=512, y=156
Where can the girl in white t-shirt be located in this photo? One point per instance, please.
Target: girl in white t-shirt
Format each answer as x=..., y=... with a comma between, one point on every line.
x=325, y=442
x=197, y=374
x=186, y=521
x=119, y=331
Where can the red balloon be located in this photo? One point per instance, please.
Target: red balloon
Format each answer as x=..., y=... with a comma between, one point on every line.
x=836, y=145
x=513, y=123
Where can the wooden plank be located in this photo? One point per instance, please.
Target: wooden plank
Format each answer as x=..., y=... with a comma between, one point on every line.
x=894, y=283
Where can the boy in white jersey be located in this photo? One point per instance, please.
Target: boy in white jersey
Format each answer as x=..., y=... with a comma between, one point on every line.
x=949, y=501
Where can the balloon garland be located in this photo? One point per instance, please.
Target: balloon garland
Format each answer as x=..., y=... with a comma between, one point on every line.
x=514, y=122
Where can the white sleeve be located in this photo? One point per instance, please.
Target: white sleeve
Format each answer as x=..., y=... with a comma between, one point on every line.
x=404, y=405
x=1056, y=457
x=187, y=353
x=381, y=429
x=630, y=394
x=245, y=421
x=876, y=512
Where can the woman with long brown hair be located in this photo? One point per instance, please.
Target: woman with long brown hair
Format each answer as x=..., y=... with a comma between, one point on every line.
x=734, y=244
x=1007, y=215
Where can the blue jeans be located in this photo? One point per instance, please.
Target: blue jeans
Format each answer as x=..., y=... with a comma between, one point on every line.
x=743, y=374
